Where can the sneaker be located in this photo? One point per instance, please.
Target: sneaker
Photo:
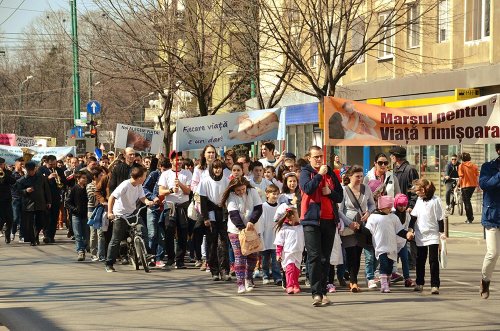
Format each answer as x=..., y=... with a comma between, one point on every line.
x=372, y=284
x=395, y=277
x=409, y=282
x=109, y=268
x=289, y=290
x=249, y=285
x=180, y=266
x=102, y=259
x=266, y=281
x=241, y=289
x=12, y=237
x=317, y=300
x=21, y=240
x=215, y=278
x=224, y=276
x=325, y=301
x=279, y=282
x=354, y=288
x=331, y=288
x=81, y=256
x=125, y=261
x=94, y=258
x=418, y=288
x=160, y=264
x=296, y=290
x=307, y=283
x=203, y=266
x=485, y=289
x=197, y=264
x=435, y=290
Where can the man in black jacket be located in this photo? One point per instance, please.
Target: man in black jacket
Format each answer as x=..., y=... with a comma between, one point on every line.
x=6, y=181
x=451, y=172
x=35, y=191
x=122, y=170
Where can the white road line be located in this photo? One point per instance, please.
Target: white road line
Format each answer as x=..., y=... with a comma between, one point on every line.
x=463, y=283
x=240, y=298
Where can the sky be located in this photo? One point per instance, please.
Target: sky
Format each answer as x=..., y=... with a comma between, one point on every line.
x=15, y=15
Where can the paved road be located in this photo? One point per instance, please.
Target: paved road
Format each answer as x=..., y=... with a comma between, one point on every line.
x=44, y=288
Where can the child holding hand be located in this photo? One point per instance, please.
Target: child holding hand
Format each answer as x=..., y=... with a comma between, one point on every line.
x=384, y=226
x=289, y=247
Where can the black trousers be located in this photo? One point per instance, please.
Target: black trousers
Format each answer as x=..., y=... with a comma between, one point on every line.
x=353, y=256
x=6, y=217
x=177, y=225
x=467, y=196
x=34, y=223
x=319, y=243
x=217, y=241
x=449, y=192
x=433, y=252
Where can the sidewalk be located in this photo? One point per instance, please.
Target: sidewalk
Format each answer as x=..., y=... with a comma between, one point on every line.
x=459, y=229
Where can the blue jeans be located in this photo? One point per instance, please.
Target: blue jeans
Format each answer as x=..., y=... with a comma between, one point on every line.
x=370, y=263
x=80, y=229
x=152, y=218
x=270, y=256
x=403, y=255
x=385, y=264
x=17, y=211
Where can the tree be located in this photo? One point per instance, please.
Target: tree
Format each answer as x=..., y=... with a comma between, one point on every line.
x=323, y=39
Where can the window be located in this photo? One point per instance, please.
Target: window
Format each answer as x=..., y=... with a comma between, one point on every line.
x=477, y=19
x=387, y=39
x=358, y=38
x=443, y=20
x=413, y=25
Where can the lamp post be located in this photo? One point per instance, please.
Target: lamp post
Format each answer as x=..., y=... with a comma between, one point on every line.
x=143, y=109
x=21, y=87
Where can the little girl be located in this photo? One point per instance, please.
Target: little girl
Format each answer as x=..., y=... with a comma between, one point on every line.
x=400, y=210
x=270, y=175
x=427, y=222
x=384, y=226
x=289, y=247
x=290, y=191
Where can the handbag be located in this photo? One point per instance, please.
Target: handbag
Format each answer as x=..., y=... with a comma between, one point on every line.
x=193, y=213
x=364, y=238
x=250, y=242
x=443, y=254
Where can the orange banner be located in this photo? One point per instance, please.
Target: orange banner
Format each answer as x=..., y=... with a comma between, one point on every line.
x=352, y=123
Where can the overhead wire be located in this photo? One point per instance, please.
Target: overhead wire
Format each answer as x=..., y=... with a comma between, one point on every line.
x=11, y=14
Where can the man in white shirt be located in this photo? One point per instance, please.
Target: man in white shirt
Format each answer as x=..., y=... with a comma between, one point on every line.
x=175, y=186
x=121, y=205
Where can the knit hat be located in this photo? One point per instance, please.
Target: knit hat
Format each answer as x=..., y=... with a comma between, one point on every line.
x=374, y=184
x=400, y=200
x=385, y=201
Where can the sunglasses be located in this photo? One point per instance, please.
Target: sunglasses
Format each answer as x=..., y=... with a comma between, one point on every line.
x=453, y=159
x=383, y=163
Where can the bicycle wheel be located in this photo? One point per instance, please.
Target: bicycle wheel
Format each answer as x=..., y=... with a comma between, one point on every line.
x=451, y=207
x=140, y=249
x=132, y=256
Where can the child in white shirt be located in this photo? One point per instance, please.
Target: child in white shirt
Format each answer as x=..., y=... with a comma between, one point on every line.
x=427, y=221
x=289, y=247
x=384, y=226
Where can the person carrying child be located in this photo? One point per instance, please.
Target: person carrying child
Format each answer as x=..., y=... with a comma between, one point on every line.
x=289, y=247
x=384, y=226
x=427, y=222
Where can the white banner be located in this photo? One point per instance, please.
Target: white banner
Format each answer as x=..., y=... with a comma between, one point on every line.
x=140, y=139
x=25, y=141
x=230, y=129
x=11, y=153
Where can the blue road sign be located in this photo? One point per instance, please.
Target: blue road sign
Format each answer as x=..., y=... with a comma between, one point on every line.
x=93, y=107
x=79, y=129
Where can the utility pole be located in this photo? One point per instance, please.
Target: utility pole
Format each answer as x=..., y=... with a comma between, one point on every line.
x=76, y=73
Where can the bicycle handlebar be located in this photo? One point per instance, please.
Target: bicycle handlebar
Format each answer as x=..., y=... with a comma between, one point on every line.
x=136, y=215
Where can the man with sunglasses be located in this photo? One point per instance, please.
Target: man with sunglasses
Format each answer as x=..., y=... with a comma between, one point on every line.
x=450, y=173
x=405, y=173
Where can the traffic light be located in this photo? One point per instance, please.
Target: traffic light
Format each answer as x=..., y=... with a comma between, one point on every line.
x=93, y=132
x=92, y=128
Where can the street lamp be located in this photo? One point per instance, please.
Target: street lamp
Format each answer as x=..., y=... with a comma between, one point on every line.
x=21, y=87
x=143, y=110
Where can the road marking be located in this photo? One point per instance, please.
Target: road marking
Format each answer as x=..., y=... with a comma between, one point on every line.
x=240, y=298
x=464, y=234
x=464, y=283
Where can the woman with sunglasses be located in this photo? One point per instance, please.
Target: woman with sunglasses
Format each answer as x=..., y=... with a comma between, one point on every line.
x=389, y=185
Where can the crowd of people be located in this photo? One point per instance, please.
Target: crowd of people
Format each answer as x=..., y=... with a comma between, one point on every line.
x=312, y=219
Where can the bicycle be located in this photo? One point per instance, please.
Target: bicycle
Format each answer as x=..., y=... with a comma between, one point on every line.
x=136, y=249
x=456, y=199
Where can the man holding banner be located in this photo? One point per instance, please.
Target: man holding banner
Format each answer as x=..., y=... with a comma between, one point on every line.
x=321, y=192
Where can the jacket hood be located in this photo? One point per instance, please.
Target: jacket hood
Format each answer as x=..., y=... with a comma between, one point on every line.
x=467, y=164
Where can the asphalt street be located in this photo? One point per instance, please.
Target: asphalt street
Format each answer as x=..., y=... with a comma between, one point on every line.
x=44, y=288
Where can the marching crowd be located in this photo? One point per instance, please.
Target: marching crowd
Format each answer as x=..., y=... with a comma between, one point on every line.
x=311, y=218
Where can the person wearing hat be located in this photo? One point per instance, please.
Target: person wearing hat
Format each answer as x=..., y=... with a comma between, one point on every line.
x=405, y=173
x=489, y=181
x=37, y=199
x=6, y=182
